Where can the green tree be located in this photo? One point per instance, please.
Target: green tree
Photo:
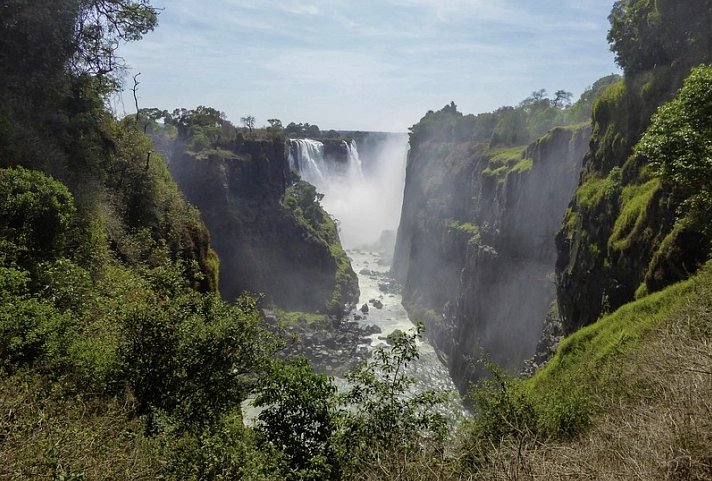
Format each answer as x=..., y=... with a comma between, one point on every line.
x=645, y=34
x=678, y=143
x=385, y=414
x=190, y=355
x=299, y=418
x=36, y=214
x=100, y=27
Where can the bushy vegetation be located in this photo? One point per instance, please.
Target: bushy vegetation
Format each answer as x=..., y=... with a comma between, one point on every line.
x=678, y=144
x=324, y=434
x=509, y=126
x=303, y=202
x=645, y=34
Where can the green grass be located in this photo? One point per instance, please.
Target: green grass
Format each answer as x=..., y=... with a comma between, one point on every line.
x=587, y=364
x=595, y=189
x=523, y=165
x=295, y=317
x=632, y=219
x=464, y=231
x=594, y=348
x=505, y=161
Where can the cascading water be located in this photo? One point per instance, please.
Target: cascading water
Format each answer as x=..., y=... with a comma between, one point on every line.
x=364, y=201
x=355, y=165
x=365, y=196
x=306, y=156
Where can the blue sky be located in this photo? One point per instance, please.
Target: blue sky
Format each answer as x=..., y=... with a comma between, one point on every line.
x=368, y=64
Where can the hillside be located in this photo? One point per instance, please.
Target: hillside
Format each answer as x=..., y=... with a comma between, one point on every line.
x=629, y=229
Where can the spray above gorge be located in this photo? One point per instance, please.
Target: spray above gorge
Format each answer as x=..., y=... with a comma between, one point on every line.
x=363, y=191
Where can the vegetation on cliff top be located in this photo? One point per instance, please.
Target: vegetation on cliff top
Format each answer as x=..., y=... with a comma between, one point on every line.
x=509, y=126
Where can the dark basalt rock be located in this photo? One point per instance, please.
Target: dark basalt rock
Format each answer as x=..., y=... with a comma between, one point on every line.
x=261, y=245
x=376, y=303
x=475, y=250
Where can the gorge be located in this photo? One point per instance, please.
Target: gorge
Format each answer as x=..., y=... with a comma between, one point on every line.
x=163, y=272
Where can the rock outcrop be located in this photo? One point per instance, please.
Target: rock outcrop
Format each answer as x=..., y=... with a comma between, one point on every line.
x=266, y=244
x=475, y=248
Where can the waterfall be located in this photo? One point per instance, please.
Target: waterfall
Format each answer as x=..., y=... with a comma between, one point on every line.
x=306, y=157
x=364, y=199
x=355, y=166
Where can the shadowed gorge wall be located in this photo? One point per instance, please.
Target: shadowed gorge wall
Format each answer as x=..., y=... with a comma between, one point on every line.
x=265, y=242
x=475, y=248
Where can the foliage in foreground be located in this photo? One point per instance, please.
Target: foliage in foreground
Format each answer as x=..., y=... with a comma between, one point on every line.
x=323, y=434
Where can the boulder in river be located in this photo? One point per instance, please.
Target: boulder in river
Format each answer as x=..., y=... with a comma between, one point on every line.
x=376, y=303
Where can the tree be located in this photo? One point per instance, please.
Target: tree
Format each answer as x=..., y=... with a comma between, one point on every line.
x=325, y=435
x=275, y=124
x=299, y=417
x=36, y=215
x=645, y=34
x=562, y=99
x=678, y=142
x=100, y=27
x=248, y=122
x=384, y=414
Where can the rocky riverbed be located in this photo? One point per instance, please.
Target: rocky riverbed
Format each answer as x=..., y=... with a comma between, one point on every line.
x=334, y=347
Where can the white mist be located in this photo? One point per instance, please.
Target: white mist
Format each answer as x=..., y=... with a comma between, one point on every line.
x=365, y=197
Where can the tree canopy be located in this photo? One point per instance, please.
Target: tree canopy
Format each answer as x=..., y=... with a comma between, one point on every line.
x=649, y=33
x=678, y=142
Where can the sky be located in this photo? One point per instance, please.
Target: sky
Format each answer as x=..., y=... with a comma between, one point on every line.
x=364, y=64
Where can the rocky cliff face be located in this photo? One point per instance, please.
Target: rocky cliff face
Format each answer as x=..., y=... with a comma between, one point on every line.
x=623, y=236
x=265, y=244
x=475, y=248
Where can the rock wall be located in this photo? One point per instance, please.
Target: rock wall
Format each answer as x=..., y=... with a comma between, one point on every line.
x=624, y=235
x=264, y=246
x=475, y=248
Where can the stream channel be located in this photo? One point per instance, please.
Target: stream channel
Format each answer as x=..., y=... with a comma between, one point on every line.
x=372, y=269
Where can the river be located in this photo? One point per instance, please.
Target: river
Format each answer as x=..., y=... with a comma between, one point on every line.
x=372, y=268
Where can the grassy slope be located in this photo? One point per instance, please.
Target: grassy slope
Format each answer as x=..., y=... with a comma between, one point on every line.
x=639, y=383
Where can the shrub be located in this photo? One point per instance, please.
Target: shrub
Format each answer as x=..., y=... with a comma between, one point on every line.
x=32, y=332
x=36, y=213
x=678, y=142
x=300, y=419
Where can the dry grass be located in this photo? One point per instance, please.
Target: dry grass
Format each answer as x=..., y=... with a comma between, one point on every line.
x=45, y=434
x=662, y=430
